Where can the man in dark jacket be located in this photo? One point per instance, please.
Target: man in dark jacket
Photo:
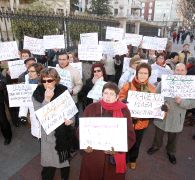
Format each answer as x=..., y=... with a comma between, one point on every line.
x=4, y=123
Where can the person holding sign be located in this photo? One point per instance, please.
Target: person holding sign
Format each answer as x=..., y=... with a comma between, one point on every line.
x=173, y=122
x=139, y=83
x=55, y=147
x=97, y=164
x=98, y=73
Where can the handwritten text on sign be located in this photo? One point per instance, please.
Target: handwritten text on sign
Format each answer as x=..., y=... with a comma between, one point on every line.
x=35, y=45
x=8, y=50
x=89, y=38
x=145, y=105
x=16, y=68
x=53, y=114
x=177, y=85
x=90, y=52
x=103, y=133
x=54, y=41
x=114, y=33
x=154, y=43
x=20, y=94
x=133, y=39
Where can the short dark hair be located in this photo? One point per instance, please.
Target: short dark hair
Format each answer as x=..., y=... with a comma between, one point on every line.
x=144, y=65
x=101, y=66
x=111, y=86
x=173, y=54
x=63, y=53
x=25, y=51
x=30, y=59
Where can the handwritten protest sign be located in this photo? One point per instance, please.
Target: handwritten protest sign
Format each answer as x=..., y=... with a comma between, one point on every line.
x=157, y=72
x=54, y=41
x=133, y=39
x=53, y=114
x=8, y=50
x=20, y=94
x=89, y=38
x=35, y=45
x=78, y=66
x=145, y=105
x=90, y=52
x=114, y=33
x=178, y=85
x=119, y=47
x=126, y=64
x=107, y=47
x=96, y=92
x=154, y=43
x=65, y=77
x=103, y=133
x=16, y=68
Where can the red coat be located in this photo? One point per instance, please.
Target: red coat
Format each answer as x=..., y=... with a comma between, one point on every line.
x=95, y=165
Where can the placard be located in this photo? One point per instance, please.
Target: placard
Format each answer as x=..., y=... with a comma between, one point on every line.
x=8, y=50
x=145, y=105
x=154, y=43
x=16, y=68
x=53, y=114
x=114, y=33
x=96, y=92
x=90, y=52
x=107, y=47
x=102, y=133
x=54, y=41
x=178, y=85
x=120, y=48
x=20, y=95
x=78, y=66
x=35, y=45
x=89, y=38
x=126, y=64
x=133, y=39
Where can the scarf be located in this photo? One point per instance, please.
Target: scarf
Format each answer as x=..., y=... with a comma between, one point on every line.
x=116, y=107
x=63, y=133
x=141, y=86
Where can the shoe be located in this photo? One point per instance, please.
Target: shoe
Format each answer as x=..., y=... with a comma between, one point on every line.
x=152, y=150
x=172, y=158
x=132, y=165
x=7, y=141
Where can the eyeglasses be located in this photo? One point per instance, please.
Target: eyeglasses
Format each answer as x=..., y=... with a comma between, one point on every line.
x=48, y=81
x=97, y=71
x=31, y=71
x=142, y=73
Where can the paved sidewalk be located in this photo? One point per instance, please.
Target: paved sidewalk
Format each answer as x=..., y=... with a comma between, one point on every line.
x=154, y=167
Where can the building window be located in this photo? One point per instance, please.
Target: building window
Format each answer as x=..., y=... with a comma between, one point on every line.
x=150, y=11
x=151, y=4
x=143, y=4
x=115, y=12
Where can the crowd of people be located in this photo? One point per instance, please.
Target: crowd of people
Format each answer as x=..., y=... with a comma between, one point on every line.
x=56, y=75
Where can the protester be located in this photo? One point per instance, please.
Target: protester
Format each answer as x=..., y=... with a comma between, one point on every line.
x=95, y=164
x=128, y=75
x=178, y=37
x=185, y=54
x=172, y=61
x=139, y=83
x=55, y=147
x=151, y=56
x=27, y=62
x=32, y=78
x=98, y=73
x=173, y=122
x=4, y=123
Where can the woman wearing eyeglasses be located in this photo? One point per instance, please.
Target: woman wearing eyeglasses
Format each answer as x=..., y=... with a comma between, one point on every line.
x=139, y=83
x=55, y=147
x=32, y=77
x=98, y=73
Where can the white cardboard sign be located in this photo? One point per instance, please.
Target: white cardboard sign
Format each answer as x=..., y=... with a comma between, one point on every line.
x=89, y=38
x=133, y=39
x=114, y=33
x=102, y=133
x=54, y=41
x=16, y=68
x=154, y=43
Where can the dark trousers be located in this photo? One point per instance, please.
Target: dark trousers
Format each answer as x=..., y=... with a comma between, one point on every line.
x=171, y=143
x=4, y=123
x=133, y=153
x=48, y=173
